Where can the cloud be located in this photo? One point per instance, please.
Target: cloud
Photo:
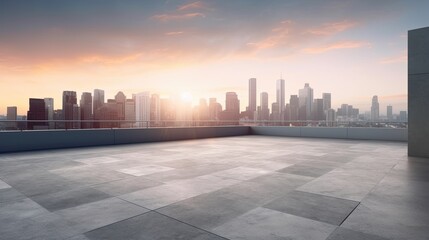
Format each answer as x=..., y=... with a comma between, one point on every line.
x=332, y=28
x=171, y=17
x=173, y=33
x=278, y=35
x=194, y=5
x=398, y=97
x=401, y=58
x=335, y=46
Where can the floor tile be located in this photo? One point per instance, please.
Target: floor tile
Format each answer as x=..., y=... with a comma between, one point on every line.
x=262, y=223
x=314, y=206
x=153, y=226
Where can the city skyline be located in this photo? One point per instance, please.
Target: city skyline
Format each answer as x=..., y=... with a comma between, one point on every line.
x=206, y=48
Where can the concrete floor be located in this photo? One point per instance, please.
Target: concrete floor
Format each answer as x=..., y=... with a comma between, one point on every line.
x=249, y=187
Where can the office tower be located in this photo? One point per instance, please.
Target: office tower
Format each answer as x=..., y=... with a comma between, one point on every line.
x=326, y=101
x=280, y=97
x=155, y=110
x=98, y=99
x=86, y=110
x=274, y=111
x=76, y=116
x=37, y=111
x=389, y=113
x=49, y=104
x=130, y=113
x=168, y=112
x=232, y=107
x=305, y=102
x=403, y=116
x=265, y=111
x=203, y=110
x=69, y=100
x=215, y=109
x=12, y=116
x=317, y=110
x=58, y=117
x=293, y=108
x=375, y=114
x=252, y=97
x=120, y=99
x=107, y=116
x=330, y=117
x=143, y=102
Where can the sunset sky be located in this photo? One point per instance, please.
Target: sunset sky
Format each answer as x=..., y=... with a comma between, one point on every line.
x=353, y=49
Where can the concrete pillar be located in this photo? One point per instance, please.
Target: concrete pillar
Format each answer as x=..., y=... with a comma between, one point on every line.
x=418, y=92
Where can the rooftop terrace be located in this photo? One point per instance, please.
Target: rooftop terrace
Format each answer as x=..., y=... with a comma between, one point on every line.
x=245, y=187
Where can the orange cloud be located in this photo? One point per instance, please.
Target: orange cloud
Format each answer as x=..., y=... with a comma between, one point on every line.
x=194, y=5
x=337, y=45
x=110, y=59
x=402, y=58
x=173, y=33
x=279, y=34
x=170, y=17
x=332, y=28
x=394, y=97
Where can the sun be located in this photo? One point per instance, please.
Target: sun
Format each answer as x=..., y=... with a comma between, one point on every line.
x=186, y=96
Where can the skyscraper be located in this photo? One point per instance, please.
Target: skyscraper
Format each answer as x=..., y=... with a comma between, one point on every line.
x=232, y=107
x=37, y=111
x=252, y=97
x=143, y=101
x=12, y=116
x=375, y=109
x=86, y=109
x=265, y=111
x=317, y=110
x=120, y=99
x=69, y=100
x=130, y=113
x=203, y=110
x=293, y=108
x=305, y=102
x=280, y=98
x=330, y=117
x=49, y=104
x=155, y=109
x=326, y=101
x=98, y=99
x=215, y=109
x=389, y=113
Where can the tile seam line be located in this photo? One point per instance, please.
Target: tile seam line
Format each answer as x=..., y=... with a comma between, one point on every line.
x=189, y=224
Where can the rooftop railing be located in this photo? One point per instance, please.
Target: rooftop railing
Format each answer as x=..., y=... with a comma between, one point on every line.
x=28, y=125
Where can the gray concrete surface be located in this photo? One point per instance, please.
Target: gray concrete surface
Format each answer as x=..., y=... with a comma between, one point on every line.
x=244, y=187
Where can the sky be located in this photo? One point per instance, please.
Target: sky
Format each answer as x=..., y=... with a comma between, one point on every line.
x=352, y=49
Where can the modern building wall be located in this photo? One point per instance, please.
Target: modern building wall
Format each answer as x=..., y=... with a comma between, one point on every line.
x=418, y=92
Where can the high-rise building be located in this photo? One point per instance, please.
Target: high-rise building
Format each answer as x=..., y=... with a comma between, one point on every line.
x=326, y=101
x=37, y=111
x=389, y=113
x=403, y=116
x=49, y=104
x=143, y=102
x=130, y=113
x=12, y=116
x=69, y=100
x=375, y=109
x=168, y=112
x=305, y=102
x=280, y=98
x=86, y=109
x=232, y=107
x=215, y=109
x=203, y=110
x=274, y=112
x=293, y=108
x=120, y=99
x=98, y=99
x=317, y=110
x=76, y=116
x=252, y=97
x=155, y=110
x=265, y=111
x=330, y=117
